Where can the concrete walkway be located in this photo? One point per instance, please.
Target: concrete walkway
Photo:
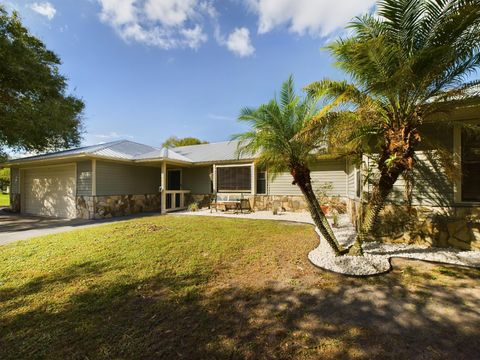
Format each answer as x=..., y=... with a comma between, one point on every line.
x=15, y=227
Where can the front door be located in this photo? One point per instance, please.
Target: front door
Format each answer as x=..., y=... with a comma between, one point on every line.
x=174, y=180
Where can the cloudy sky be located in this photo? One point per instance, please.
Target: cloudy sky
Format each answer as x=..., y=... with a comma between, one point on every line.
x=148, y=69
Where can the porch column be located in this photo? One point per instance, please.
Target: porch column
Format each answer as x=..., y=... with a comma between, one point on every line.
x=254, y=179
x=163, y=185
x=214, y=178
x=457, y=160
x=94, y=177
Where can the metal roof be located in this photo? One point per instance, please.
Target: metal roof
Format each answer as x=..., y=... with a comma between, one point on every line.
x=121, y=149
x=131, y=151
x=220, y=151
x=163, y=153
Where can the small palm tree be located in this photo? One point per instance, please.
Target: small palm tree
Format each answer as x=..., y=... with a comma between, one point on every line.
x=406, y=64
x=273, y=139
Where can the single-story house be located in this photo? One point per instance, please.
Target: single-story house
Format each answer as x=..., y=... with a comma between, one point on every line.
x=125, y=177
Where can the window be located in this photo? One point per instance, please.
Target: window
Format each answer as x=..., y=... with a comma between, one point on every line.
x=174, y=179
x=261, y=181
x=358, y=183
x=234, y=178
x=470, y=165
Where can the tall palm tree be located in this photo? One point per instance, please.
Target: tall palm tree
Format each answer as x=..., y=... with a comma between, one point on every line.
x=273, y=139
x=404, y=64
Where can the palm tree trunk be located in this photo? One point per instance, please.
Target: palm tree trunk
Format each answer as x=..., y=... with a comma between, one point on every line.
x=397, y=157
x=301, y=176
x=374, y=206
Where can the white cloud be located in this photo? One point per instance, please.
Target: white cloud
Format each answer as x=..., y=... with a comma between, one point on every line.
x=166, y=24
x=170, y=12
x=315, y=17
x=112, y=135
x=239, y=42
x=45, y=9
x=194, y=37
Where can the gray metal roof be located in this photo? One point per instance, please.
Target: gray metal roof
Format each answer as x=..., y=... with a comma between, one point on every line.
x=121, y=149
x=220, y=151
x=132, y=151
x=163, y=153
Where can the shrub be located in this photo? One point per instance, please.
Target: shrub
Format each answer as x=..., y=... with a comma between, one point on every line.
x=193, y=207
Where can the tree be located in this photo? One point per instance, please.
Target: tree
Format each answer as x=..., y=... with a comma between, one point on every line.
x=174, y=141
x=4, y=178
x=406, y=64
x=273, y=138
x=36, y=114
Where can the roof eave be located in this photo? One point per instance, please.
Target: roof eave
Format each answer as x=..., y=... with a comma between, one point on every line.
x=27, y=161
x=152, y=160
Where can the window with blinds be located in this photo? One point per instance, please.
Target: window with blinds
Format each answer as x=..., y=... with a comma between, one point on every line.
x=470, y=165
x=234, y=178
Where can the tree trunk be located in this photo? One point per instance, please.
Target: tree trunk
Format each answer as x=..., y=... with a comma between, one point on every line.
x=396, y=158
x=301, y=176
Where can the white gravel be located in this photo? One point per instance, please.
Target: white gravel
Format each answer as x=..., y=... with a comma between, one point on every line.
x=376, y=259
x=324, y=257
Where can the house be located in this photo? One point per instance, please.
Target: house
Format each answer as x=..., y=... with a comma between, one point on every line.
x=124, y=177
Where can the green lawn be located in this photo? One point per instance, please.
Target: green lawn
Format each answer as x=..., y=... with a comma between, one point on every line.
x=193, y=287
x=4, y=199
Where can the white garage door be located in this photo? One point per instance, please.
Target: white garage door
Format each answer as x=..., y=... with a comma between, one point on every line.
x=50, y=191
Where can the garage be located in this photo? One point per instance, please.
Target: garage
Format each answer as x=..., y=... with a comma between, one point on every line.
x=49, y=191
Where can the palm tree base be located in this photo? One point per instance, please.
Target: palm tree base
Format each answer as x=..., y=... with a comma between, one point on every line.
x=354, y=250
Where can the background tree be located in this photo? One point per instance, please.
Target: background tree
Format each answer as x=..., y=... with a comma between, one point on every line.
x=4, y=179
x=405, y=65
x=174, y=141
x=273, y=138
x=35, y=112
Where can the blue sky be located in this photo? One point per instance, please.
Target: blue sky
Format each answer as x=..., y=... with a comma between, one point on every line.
x=148, y=69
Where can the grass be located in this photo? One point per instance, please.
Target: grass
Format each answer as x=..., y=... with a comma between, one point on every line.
x=193, y=287
x=4, y=199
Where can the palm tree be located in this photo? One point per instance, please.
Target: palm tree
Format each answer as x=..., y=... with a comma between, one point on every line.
x=273, y=139
x=404, y=65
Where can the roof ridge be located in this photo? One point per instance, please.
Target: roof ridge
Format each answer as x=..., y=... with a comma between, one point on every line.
x=210, y=143
x=106, y=145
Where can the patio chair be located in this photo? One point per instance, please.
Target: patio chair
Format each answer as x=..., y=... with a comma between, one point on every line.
x=244, y=204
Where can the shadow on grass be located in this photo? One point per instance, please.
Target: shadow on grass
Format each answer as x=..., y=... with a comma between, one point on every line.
x=177, y=316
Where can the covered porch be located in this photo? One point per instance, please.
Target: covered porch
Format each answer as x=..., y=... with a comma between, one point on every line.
x=172, y=188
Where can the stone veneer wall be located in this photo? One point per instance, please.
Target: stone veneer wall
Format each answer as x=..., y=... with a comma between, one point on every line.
x=457, y=227
x=104, y=207
x=203, y=200
x=257, y=202
x=293, y=203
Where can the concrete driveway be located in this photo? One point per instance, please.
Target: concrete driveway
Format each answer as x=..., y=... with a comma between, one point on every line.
x=14, y=227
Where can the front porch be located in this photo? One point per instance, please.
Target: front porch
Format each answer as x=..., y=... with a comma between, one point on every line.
x=172, y=189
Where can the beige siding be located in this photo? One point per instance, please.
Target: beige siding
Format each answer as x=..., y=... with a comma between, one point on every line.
x=326, y=171
x=351, y=168
x=197, y=179
x=430, y=184
x=119, y=179
x=431, y=187
x=84, y=178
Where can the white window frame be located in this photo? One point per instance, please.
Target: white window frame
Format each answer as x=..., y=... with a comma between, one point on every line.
x=457, y=158
x=266, y=181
